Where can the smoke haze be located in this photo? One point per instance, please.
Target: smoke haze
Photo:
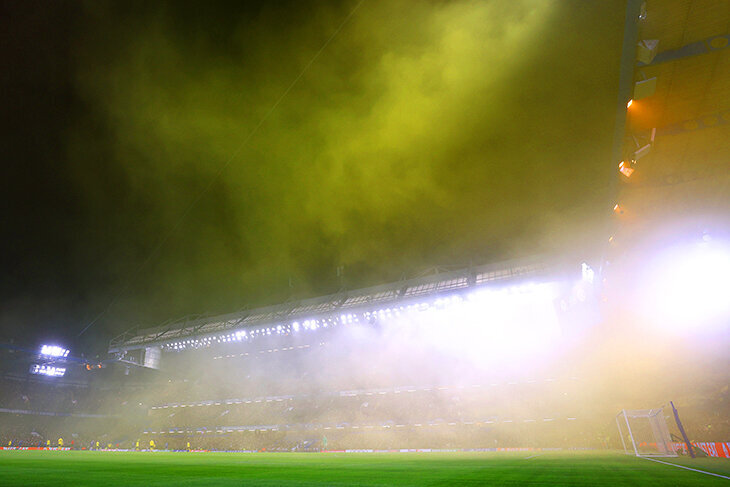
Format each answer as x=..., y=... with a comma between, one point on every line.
x=424, y=133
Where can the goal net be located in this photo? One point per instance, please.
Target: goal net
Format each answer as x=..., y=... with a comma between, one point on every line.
x=644, y=433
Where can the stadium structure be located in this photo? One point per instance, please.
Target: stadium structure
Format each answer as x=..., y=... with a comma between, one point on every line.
x=368, y=368
x=540, y=352
x=144, y=346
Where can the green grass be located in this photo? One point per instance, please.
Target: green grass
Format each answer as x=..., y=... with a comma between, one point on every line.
x=51, y=468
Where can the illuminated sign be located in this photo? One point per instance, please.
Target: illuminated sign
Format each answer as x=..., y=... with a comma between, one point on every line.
x=49, y=370
x=53, y=351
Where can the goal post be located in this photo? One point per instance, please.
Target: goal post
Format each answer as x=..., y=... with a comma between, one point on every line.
x=644, y=433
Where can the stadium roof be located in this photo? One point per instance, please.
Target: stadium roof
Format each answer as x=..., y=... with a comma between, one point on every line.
x=430, y=285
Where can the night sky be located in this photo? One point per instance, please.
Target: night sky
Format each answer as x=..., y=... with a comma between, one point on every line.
x=424, y=134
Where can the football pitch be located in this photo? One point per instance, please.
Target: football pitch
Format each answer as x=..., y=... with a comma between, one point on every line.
x=85, y=468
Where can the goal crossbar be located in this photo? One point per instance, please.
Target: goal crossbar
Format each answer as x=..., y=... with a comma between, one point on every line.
x=644, y=433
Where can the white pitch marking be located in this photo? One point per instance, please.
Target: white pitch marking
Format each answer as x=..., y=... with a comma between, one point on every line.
x=687, y=468
x=533, y=456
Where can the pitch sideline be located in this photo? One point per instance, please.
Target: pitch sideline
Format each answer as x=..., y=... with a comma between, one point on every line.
x=687, y=468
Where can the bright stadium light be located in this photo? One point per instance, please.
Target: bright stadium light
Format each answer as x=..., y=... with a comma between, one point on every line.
x=587, y=273
x=489, y=327
x=53, y=351
x=625, y=168
x=684, y=288
x=47, y=370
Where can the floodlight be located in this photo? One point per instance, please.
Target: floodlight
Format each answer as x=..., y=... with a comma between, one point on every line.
x=53, y=351
x=625, y=168
x=587, y=273
x=488, y=327
x=47, y=370
x=685, y=287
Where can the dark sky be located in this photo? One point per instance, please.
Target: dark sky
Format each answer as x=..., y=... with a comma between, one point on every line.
x=424, y=133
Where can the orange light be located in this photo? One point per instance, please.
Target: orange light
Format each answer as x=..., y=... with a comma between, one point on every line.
x=625, y=169
x=630, y=102
x=617, y=209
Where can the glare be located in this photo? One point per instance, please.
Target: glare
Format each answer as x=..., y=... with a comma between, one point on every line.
x=47, y=370
x=625, y=169
x=54, y=351
x=489, y=323
x=587, y=273
x=686, y=287
x=488, y=327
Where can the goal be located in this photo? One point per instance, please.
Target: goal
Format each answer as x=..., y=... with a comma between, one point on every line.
x=644, y=433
